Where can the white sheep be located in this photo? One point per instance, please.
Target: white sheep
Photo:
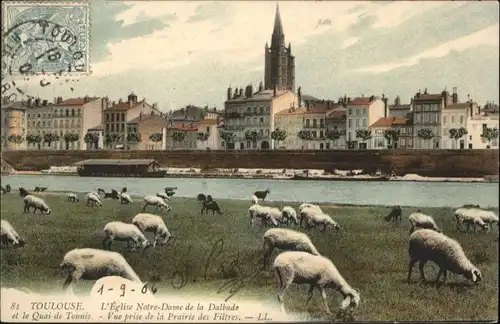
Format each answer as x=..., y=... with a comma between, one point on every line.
x=258, y=211
x=420, y=220
x=163, y=196
x=72, y=197
x=317, y=271
x=93, y=198
x=308, y=205
x=9, y=235
x=120, y=231
x=286, y=239
x=255, y=200
x=125, y=198
x=469, y=216
x=116, y=287
x=274, y=213
x=307, y=213
x=322, y=219
x=36, y=203
x=154, y=224
x=428, y=245
x=93, y=264
x=151, y=200
x=290, y=214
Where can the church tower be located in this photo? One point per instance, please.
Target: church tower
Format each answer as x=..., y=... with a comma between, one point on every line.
x=279, y=62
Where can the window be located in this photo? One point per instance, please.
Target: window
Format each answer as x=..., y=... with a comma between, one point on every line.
x=314, y=123
x=107, y=117
x=255, y=120
x=72, y=113
x=445, y=120
x=453, y=119
x=461, y=119
x=78, y=112
x=261, y=119
x=364, y=122
x=261, y=110
x=357, y=122
x=321, y=134
x=357, y=112
x=67, y=112
x=350, y=111
x=470, y=137
x=365, y=112
x=307, y=123
x=349, y=123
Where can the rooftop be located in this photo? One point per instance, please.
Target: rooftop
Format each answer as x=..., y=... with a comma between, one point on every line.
x=142, y=118
x=186, y=127
x=337, y=113
x=427, y=96
x=208, y=122
x=389, y=121
x=263, y=95
x=459, y=105
x=399, y=107
x=362, y=101
x=75, y=101
x=116, y=162
x=291, y=112
x=124, y=105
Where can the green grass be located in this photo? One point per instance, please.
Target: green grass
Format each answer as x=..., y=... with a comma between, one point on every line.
x=369, y=252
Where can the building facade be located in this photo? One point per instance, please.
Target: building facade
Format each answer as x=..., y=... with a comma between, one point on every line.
x=13, y=116
x=335, y=120
x=427, y=110
x=361, y=113
x=399, y=110
x=146, y=126
x=475, y=127
x=210, y=127
x=291, y=120
x=39, y=122
x=314, y=122
x=186, y=142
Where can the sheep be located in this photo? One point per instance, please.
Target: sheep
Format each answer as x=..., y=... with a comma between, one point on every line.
x=119, y=284
x=286, y=239
x=23, y=192
x=120, y=231
x=428, y=245
x=308, y=205
x=258, y=211
x=9, y=235
x=154, y=224
x=395, y=214
x=93, y=199
x=470, y=216
x=317, y=271
x=421, y=220
x=93, y=264
x=322, y=219
x=36, y=203
x=209, y=198
x=201, y=197
x=306, y=213
x=211, y=205
x=255, y=200
x=262, y=194
x=163, y=196
x=125, y=198
x=151, y=200
x=290, y=214
x=72, y=197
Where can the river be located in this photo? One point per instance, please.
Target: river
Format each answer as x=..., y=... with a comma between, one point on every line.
x=425, y=194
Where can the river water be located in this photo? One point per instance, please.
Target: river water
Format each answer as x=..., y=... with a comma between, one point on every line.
x=425, y=194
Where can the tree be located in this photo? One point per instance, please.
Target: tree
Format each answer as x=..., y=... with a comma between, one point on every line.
x=111, y=138
x=425, y=134
x=278, y=135
x=202, y=136
x=457, y=133
x=70, y=138
x=305, y=135
x=134, y=138
x=34, y=139
x=392, y=136
x=16, y=139
x=156, y=137
x=333, y=134
x=251, y=136
x=489, y=134
x=49, y=138
x=178, y=136
x=92, y=140
x=364, y=134
x=227, y=137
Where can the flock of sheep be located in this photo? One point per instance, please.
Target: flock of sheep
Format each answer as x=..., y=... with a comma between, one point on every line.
x=300, y=261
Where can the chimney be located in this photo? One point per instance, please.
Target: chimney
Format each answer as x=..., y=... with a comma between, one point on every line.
x=275, y=90
x=229, y=93
x=299, y=96
x=59, y=99
x=386, y=106
x=45, y=102
x=241, y=92
x=455, y=95
x=114, y=102
x=349, y=99
x=444, y=94
x=397, y=101
x=30, y=102
x=215, y=109
x=37, y=102
x=250, y=90
x=261, y=86
x=55, y=100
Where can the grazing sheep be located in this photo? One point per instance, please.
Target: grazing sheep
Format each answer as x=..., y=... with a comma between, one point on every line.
x=201, y=197
x=262, y=194
x=40, y=189
x=151, y=200
x=126, y=199
x=113, y=195
x=93, y=264
x=322, y=219
x=99, y=190
x=163, y=196
x=8, y=188
x=286, y=239
x=428, y=245
x=290, y=214
x=209, y=198
x=307, y=213
x=93, y=199
x=120, y=231
x=9, y=235
x=421, y=220
x=36, y=203
x=154, y=224
x=72, y=197
x=469, y=216
x=23, y=192
x=317, y=271
x=258, y=211
x=308, y=205
x=255, y=200
x=395, y=214
x=210, y=205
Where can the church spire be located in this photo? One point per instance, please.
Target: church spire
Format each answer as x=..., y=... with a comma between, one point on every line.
x=278, y=37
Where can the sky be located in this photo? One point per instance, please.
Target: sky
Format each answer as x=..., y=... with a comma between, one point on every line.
x=176, y=53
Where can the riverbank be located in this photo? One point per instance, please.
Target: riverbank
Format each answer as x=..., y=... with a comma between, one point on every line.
x=363, y=240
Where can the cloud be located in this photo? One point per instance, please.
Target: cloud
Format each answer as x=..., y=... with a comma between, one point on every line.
x=487, y=36
x=211, y=10
x=324, y=21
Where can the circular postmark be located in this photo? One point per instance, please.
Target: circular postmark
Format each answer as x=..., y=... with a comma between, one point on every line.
x=37, y=47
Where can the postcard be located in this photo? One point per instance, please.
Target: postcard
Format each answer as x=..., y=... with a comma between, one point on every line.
x=249, y=161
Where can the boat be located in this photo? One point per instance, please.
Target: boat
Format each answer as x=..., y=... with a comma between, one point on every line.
x=136, y=168
x=341, y=178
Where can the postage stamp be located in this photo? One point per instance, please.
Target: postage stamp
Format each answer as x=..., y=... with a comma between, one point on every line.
x=45, y=37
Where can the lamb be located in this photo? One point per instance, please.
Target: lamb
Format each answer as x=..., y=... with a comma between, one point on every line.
x=9, y=235
x=120, y=231
x=258, y=211
x=125, y=198
x=211, y=205
x=470, y=216
x=93, y=199
x=93, y=264
x=255, y=200
x=317, y=271
x=36, y=203
x=163, y=196
x=286, y=239
x=151, y=200
x=290, y=214
x=154, y=224
x=395, y=214
x=307, y=213
x=428, y=245
x=421, y=220
x=72, y=197
x=262, y=194
x=322, y=219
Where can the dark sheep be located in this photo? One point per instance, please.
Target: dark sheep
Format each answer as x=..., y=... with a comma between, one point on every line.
x=23, y=192
x=395, y=214
x=201, y=197
x=40, y=189
x=209, y=198
x=262, y=194
x=113, y=195
x=211, y=205
x=124, y=189
x=470, y=206
x=99, y=190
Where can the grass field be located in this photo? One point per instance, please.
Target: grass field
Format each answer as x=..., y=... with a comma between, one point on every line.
x=369, y=252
